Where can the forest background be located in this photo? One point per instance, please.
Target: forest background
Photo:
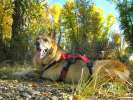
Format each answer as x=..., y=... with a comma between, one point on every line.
x=76, y=23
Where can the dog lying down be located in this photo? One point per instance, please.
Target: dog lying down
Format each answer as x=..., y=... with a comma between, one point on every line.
x=48, y=56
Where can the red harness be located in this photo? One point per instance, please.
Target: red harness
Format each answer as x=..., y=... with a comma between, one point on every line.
x=66, y=56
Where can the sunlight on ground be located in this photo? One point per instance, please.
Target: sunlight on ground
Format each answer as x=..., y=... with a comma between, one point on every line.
x=92, y=89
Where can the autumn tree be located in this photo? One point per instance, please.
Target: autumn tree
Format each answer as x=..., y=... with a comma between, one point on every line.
x=70, y=26
x=125, y=8
x=27, y=21
x=6, y=10
x=86, y=28
x=55, y=14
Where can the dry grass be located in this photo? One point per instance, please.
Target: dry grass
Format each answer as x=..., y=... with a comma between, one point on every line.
x=104, y=89
x=91, y=90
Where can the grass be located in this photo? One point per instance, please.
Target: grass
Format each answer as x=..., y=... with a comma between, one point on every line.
x=7, y=71
x=103, y=89
x=93, y=89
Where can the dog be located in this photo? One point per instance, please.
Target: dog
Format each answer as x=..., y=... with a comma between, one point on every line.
x=48, y=56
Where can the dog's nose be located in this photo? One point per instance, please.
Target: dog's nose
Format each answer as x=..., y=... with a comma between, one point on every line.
x=46, y=50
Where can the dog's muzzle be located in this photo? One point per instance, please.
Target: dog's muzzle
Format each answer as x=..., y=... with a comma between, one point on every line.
x=41, y=49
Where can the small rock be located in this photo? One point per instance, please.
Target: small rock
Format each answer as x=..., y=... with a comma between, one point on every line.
x=64, y=96
x=70, y=97
x=55, y=91
x=26, y=95
x=69, y=90
x=36, y=97
x=43, y=98
x=1, y=97
x=54, y=98
x=46, y=94
x=35, y=92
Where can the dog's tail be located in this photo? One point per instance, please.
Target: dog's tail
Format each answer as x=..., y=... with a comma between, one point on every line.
x=123, y=75
x=112, y=70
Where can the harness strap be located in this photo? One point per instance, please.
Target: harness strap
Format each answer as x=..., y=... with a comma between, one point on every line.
x=90, y=65
x=66, y=68
x=63, y=71
x=50, y=65
x=63, y=74
x=69, y=59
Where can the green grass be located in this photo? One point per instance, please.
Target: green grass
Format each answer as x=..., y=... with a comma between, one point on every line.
x=6, y=72
x=93, y=89
x=103, y=89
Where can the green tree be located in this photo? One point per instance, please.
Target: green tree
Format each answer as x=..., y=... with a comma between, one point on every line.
x=6, y=10
x=70, y=26
x=18, y=29
x=55, y=13
x=125, y=8
x=86, y=27
x=27, y=22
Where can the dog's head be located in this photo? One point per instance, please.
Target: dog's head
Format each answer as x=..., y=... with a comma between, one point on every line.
x=44, y=45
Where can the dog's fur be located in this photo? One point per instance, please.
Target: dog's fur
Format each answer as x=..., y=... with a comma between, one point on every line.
x=103, y=68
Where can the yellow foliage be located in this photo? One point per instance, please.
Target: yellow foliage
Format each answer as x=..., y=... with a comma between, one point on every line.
x=101, y=25
x=117, y=39
x=97, y=10
x=70, y=0
x=55, y=11
x=40, y=19
x=97, y=21
x=6, y=19
x=6, y=28
x=110, y=20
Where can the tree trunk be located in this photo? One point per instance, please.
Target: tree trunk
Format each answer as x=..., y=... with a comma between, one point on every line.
x=17, y=19
x=17, y=30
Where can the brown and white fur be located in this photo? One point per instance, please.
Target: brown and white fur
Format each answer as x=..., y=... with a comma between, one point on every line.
x=48, y=51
